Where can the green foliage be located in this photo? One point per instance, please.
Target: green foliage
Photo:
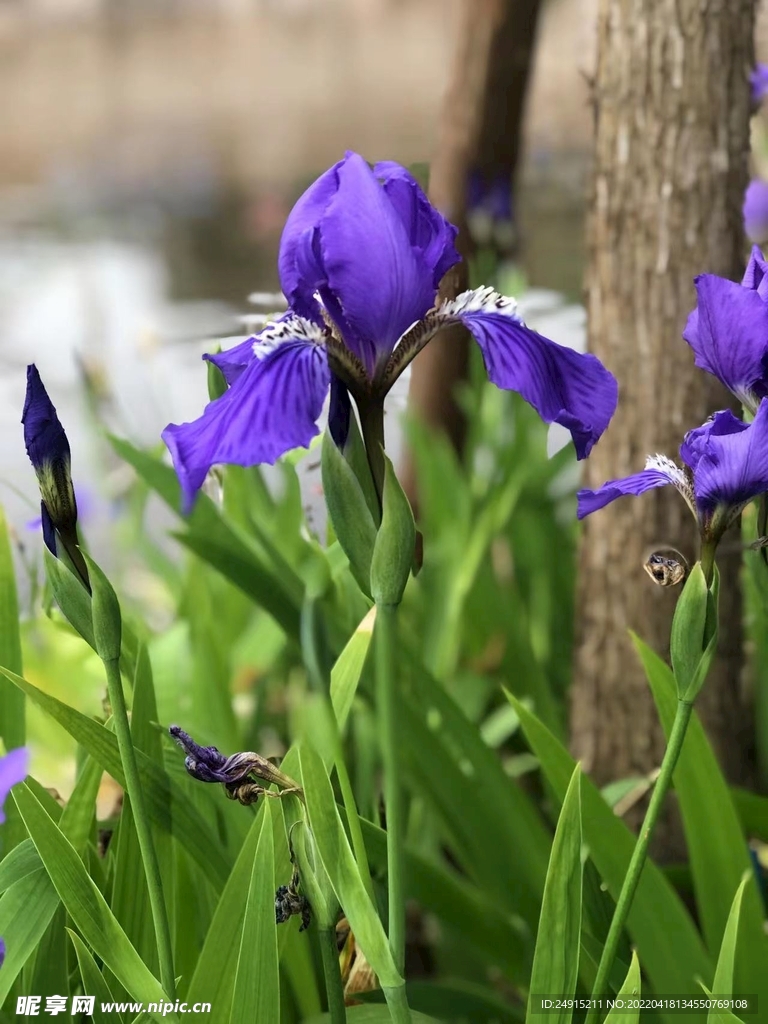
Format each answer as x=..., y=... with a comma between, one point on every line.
x=254, y=634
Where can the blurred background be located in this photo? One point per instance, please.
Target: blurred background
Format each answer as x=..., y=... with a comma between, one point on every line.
x=151, y=151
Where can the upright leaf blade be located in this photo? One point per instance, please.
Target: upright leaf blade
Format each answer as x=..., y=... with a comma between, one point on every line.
x=556, y=960
x=257, y=976
x=630, y=989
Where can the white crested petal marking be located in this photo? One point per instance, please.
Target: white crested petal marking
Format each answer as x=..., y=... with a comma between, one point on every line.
x=290, y=328
x=665, y=465
x=480, y=300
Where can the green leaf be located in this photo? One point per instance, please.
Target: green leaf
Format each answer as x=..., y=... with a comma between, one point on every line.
x=94, y=982
x=26, y=910
x=671, y=949
x=345, y=674
x=216, y=541
x=372, y=1015
x=723, y=982
x=338, y=861
x=716, y=844
x=395, y=541
x=167, y=803
x=105, y=613
x=214, y=977
x=85, y=904
x=628, y=990
x=23, y=860
x=556, y=960
x=693, y=639
x=348, y=511
x=257, y=977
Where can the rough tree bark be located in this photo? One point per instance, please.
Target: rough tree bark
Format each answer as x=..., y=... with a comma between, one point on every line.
x=672, y=137
x=480, y=130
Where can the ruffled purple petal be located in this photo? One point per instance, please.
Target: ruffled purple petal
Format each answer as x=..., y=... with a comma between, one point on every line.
x=638, y=483
x=233, y=360
x=733, y=464
x=299, y=262
x=564, y=386
x=428, y=230
x=272, y=407
x=755, y=210
x=755, y=274
x=381, y=283
x=13, y=768
x=695, y=441
x=728, y=332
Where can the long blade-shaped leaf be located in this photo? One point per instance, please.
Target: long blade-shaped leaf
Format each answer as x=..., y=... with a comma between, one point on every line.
x=85, y=904
x=717, y=847
x=556, y=960
x=629, y=990
x=668, y=943
x=257, y=977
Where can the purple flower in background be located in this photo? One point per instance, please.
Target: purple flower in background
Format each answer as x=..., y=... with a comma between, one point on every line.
x=755, y=210
x=13, y=768
x=48, y=451
x=361, y=258
x=728, y=330
x=725, y=467
x=759, y=82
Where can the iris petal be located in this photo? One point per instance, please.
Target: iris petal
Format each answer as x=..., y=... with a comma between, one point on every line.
x=755, y=274
x=428, y=230
x=733, y=466
x=379, y=279
x=271, y=408
x=233, y=360
x=299, y=262
x=13, y=768
x=563, y=386
x=638, y=483
x=728, y=332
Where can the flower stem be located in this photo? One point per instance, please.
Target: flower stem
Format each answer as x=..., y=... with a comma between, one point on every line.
x=141, y=820
x=372, y=423
x=399, y=1011
x=385, y=640
x=636, y=864
x=708, y=561
x=334, y=989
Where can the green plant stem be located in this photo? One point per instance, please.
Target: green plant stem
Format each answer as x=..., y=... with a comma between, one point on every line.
x=639, y=854
x=399, y=1011
x=708, y=561
x=372, y=422
x=334, y=989
x=141, y=820
x=385, y=639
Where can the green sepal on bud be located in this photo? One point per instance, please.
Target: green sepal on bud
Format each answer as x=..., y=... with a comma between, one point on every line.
x=349, y=513
x=693, y=640
x=395, y=542
x=70, y=595
x=105, y=613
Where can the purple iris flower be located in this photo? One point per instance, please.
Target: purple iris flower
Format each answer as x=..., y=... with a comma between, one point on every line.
x=759, y=82
x=13, y=768
x=48, y=451
x=361, y=258
x=725, y=467
x=755, y=210
x=728, y=330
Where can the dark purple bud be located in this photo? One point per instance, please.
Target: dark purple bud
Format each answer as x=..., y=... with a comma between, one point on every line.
x=2, y=952
x=48, y=451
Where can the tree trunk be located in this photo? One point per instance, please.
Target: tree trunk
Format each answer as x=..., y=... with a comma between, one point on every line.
x=672, y=112
x=480, y=131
